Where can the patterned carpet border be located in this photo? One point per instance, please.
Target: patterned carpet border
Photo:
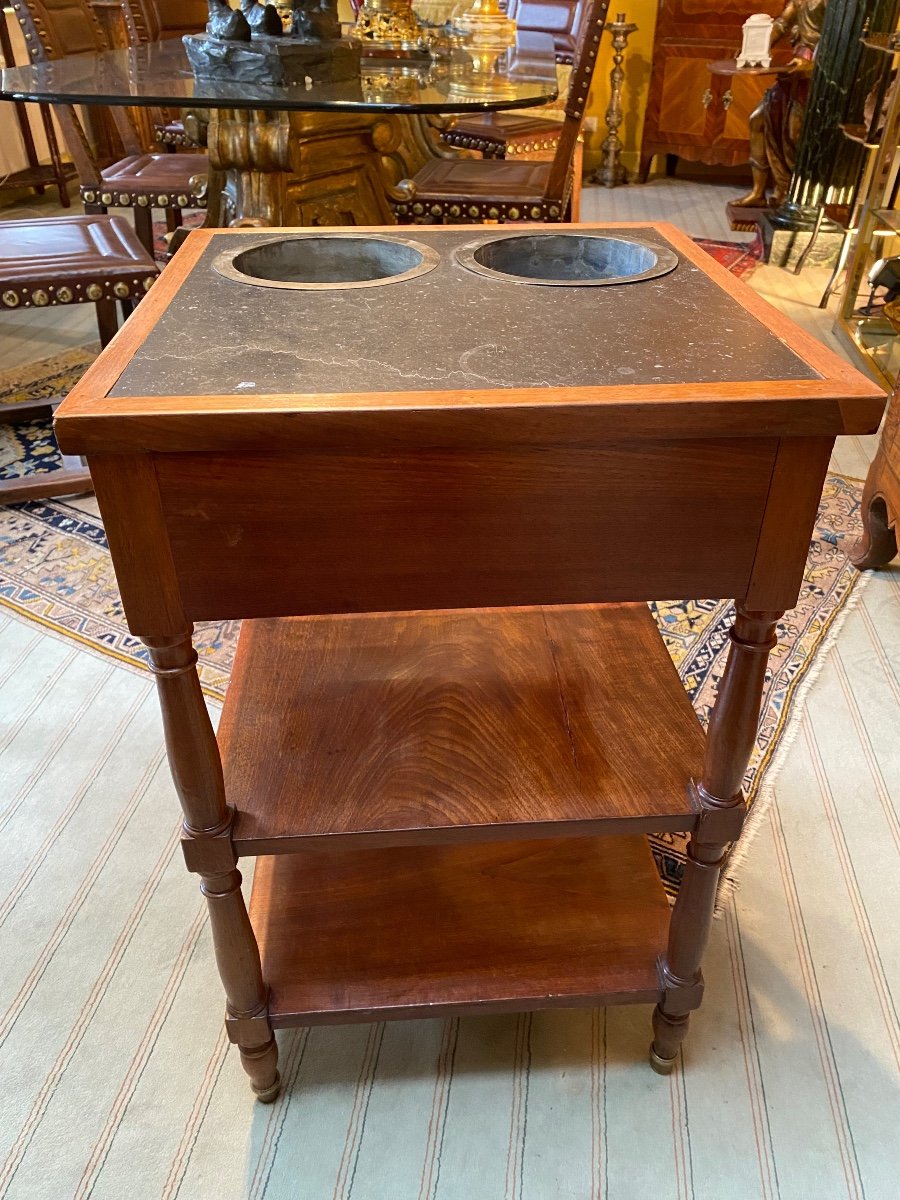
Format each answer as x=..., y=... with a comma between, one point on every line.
x=55, y=570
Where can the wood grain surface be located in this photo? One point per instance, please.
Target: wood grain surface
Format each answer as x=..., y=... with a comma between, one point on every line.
x=331, y=532
x=451, y=726
x=379, y=934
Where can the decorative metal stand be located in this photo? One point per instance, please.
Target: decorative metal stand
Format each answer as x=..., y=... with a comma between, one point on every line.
x=611, y=173
x=389, y=24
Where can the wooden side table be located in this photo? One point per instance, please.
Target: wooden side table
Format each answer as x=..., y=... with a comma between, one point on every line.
x=447, y=786
x=881, y=497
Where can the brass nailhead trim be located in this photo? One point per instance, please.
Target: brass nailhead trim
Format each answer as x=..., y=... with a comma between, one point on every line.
x=40, y=298
x=122, y=290
x=143, y=201
x=106, y=198
x=11, y=299
x=148, y=283
x=64, y=295
x=94, y=291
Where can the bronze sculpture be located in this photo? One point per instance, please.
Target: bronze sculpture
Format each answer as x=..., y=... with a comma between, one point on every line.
x=226, y=23
x=776, y=122
x=244, y=44
x=315, y=20
x=262, y=18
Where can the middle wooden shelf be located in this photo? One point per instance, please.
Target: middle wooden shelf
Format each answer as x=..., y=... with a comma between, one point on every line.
x=417, y=728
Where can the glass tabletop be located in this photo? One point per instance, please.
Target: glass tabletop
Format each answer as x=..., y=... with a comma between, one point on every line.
x=159, y=74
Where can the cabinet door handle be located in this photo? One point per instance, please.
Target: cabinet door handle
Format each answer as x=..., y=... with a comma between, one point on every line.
x=707, y=98
x=728, y=99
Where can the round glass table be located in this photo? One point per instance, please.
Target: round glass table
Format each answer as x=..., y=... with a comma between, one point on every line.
x=307, y=154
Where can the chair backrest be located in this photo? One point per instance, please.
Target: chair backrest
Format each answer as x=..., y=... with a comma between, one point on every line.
x=589, y=17
x=54, y=29
x=142, y=20
x=560, y=18
x=158, y=20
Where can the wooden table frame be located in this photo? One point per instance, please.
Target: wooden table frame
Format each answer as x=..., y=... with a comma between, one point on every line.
x=190, y=531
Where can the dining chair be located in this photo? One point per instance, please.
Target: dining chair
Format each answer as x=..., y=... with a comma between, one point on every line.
x=79, y=259
x=530, y=134
x=487, y=190
x=148, y=21
x=54, y=29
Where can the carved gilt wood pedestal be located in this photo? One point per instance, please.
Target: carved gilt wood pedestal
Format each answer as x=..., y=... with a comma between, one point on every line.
x=439, y=505
x=306, y=168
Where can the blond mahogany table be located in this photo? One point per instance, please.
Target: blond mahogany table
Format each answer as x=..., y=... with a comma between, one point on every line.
x=440, y=505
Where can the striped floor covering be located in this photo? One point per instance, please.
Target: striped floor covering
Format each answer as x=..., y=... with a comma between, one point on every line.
x=115, y=1080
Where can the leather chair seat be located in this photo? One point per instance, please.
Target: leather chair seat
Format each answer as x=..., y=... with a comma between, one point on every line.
x=71, y=260
x=154, y=181
x=504, y=135
x=479, y=189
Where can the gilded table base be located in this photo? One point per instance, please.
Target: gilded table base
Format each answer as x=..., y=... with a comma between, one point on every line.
x=303, y=168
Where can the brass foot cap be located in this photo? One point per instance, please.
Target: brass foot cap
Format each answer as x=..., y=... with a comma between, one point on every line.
x=267, y=1095
x=662, y=1066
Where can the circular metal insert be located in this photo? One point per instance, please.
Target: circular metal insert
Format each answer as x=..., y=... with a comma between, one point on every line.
x=566, y=259
x=321, y=261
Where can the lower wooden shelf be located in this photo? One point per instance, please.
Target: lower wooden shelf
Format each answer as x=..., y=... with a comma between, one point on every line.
x=357, y=935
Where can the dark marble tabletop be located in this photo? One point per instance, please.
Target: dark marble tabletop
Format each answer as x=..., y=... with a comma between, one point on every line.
x=450, y=329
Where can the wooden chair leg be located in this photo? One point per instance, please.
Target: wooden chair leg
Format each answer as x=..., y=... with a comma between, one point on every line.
x=577, y=176
x=730, y=739
x=143, y=227
x=173, y=219
x=878, y=542
x=197, y=772
x=107, y=321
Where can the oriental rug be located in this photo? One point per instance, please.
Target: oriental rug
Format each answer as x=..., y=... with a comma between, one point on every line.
x=55, y=570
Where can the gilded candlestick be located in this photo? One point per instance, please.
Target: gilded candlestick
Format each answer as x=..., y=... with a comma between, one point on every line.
x=611, y=173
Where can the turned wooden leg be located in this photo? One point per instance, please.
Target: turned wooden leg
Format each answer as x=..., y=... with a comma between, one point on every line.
x=208, y=850
x=729, y=744
x=878, y=542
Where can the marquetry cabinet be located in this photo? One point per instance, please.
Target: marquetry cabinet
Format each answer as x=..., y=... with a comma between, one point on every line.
x=440, y=504
x=692, y=113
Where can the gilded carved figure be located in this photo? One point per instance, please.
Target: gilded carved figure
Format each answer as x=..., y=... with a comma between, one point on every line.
x=776, y=122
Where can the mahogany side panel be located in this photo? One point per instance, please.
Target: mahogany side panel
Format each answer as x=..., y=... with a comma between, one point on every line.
x=791, y=509
x=331, y=533
x=128, y=494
